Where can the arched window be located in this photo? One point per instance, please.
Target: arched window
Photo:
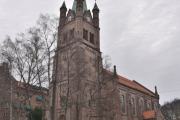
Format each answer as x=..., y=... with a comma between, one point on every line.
x=91, y=38
x=133, y=106
x=71, y=34
x=65, y=37
x=85, y=34
x=141, y=105
x=155, y=106
x=122, y=103
x=149, y=105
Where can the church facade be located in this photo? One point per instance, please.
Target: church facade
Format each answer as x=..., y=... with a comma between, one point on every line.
x=81, y=88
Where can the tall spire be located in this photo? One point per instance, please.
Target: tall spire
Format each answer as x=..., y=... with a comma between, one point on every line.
x=96, y=7
x=63, y=6
x=74, y=7
x=96, y=15
x=63, y=11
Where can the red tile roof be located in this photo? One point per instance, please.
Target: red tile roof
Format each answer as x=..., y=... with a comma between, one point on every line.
x=133, y=84
x=149, y=114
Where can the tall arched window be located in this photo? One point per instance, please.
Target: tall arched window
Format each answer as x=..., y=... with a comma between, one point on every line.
x=85, y=34
x=71, y=34
x=155, y=106
x=133, y=106
x=149, y=107
x=122, y=103
x=141, y=105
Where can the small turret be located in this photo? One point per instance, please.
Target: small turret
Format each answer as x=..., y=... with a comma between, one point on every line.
x=115, y=72
x=96, y=15
x=156, y=93
x=63, y=11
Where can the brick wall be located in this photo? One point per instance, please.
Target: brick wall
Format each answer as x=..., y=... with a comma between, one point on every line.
x=20, y=106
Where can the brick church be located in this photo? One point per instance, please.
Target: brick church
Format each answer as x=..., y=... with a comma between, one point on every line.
x=81, y=88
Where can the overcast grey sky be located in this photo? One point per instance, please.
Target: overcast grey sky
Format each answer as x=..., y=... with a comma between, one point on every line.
x=141, y=36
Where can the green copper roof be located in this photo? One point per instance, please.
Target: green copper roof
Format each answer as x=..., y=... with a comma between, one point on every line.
x=75, y=5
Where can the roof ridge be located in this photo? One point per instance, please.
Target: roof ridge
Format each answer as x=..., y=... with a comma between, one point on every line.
x=142, y=86
x=132, y=84
x=119, y=76
x=124, y=78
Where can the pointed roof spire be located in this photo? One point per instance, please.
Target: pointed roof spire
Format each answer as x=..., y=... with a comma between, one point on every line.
x=96, y=7
x=63, y=6
x=74, y=7
x=115, y=72
x=156, y=92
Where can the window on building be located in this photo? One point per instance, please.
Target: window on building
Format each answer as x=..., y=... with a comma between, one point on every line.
x=149, y=105
x=141, y=106
x=71, y=34
x=155, y=106
x=92, y=38
x=85, y=34
x=133, y=105
x=122, y=104
x=64, y=37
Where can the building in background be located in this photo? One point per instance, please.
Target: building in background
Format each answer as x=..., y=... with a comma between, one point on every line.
x=13, y=94
x=82, y=89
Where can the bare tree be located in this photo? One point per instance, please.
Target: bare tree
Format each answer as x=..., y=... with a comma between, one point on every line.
x=22, y=56
x=171, y=110
x=48, y=26
x=31, y=53
x=35, y=47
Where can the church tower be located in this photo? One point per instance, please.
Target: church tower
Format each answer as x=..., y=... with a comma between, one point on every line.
x=77, y=63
